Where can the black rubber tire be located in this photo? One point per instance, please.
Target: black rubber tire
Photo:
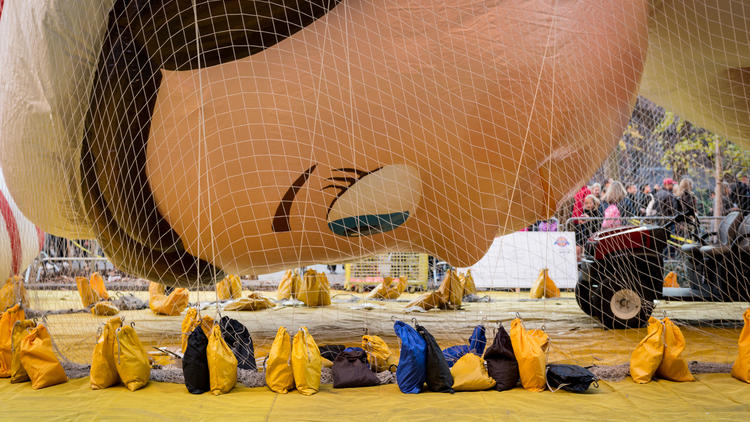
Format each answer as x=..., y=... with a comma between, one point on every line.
x=584, y=297
x=609, y=300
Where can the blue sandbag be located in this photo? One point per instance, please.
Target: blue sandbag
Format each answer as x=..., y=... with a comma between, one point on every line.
x=454, y=353
x=478, y=340
x=477, y=343
x=411, y=373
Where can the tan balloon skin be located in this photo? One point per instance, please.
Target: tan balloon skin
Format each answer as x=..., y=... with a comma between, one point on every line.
x=502, y=108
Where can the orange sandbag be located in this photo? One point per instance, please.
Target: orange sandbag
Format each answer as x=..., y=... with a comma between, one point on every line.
x=20, y=330
x=87, y=294
x=741, y=367
x=389, y=289
x=104, y=308
x=170, y=305
x=324, y=289
x=7, y=321
x=673, y=367
x=253, y=302
x=13, y=292
x=544, y=286
x=451, y=290
x=190, y=323
x=229, y=288
x=447, y=296
x=467, y=283
x=649, y=353
x=289, y=285
x=670, y=280
x=315, y=289
x=39, y=360
x=103, y=370
x=529, y=348
x=97, y=284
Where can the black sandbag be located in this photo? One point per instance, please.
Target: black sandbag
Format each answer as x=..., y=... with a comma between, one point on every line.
x=195, y=363
x=237, y=337
x=574, y=378
x=439, y=378
x=501, y=362
x=331, y=351
x=350, y=369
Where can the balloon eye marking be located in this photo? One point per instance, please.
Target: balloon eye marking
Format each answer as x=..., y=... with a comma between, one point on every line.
x=284, y=210
x=348, y=180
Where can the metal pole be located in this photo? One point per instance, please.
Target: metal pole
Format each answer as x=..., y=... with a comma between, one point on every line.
x=718, y=188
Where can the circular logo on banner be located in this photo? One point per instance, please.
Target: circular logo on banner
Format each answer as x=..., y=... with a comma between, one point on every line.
x=561, y=242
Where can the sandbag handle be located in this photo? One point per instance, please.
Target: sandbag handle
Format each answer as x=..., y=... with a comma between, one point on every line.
x=119, y=351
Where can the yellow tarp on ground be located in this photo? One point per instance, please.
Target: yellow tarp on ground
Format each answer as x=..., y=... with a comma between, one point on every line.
x=712, y=397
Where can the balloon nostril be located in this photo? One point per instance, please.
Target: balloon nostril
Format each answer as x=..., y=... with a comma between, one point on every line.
x=365, y=225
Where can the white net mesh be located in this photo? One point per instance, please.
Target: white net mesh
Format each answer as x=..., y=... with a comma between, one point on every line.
x=182, y=141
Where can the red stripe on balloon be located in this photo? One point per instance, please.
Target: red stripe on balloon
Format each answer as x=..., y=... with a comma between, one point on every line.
x=15, y=238
x=40, y=236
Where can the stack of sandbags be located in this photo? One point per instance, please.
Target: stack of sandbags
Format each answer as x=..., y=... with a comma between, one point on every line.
x=447, y=296
x=389, y=289
x=94, y=295
x=229, y=288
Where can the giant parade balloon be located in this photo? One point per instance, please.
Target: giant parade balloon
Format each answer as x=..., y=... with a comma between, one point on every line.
x=248, y=136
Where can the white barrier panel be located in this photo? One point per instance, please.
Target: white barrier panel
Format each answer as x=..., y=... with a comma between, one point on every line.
x=515, y=260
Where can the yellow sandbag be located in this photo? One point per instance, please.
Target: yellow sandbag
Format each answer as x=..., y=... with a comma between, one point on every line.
x=7, y=321
x=325, y=363
x=104, y=308
x=306, y=363
x=253, y=302
x=468, y=284
x=103, y=370
x=389, y=288
x=673, y=367
x=649, y=353
x=229, y=288
x=428, y=301
x=97, y=285
x=39, y=360
x=222, y=365
x=190, y=323
x=20, y=330
x=379, y=355
x=131, y=360
x=288, y=286
x=670, y=280
x=741, y=367
x=170, y=305
x=279, y=374
x=324, y=289
x=544, y=286
x=88, y=295
x=528, y=349
x=12, y=292
x=470, y=374
x=451, y=290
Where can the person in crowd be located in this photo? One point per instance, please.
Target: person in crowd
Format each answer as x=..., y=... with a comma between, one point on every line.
x=685, y=203
x=580, y=196
x=596, y=190
x=644, y=198
x=630, y=203
x=614, y=198
x=586, y=228
x=664, y=199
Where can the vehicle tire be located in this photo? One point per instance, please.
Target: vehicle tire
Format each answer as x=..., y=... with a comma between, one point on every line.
x=584, y=297
x=623, y=307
